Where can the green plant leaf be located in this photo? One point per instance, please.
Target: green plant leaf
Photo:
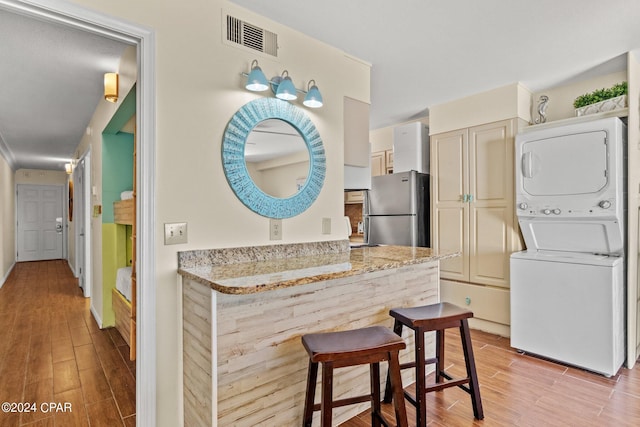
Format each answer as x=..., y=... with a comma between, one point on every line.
x=599, y=95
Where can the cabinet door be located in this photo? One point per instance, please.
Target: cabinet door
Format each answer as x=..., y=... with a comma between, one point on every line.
x=378, y=163
x=389, y=161
x=450, y=213
x=354, y=197
x=356, y=133
x=491, y=226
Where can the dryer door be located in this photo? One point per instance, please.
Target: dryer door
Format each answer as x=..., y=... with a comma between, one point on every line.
x=565, y=165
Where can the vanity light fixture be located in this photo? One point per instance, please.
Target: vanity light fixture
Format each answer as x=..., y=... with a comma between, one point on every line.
x=256, y=80
x=111, y=87
x=286, y=90
x=282, y=86
x=313, y=98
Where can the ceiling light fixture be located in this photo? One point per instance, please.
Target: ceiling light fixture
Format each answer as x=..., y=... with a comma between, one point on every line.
x=111, y=87
x=68, y=168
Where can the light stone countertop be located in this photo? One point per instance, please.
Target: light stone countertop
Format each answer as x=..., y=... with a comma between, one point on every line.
x=260, y=276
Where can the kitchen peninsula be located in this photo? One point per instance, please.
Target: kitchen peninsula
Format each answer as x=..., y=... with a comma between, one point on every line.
x=245, y=309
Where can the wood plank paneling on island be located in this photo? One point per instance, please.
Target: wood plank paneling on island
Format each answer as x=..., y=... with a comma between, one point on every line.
x=262, y=365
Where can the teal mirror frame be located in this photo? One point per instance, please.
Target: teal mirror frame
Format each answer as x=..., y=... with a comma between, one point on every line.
x=235, y=167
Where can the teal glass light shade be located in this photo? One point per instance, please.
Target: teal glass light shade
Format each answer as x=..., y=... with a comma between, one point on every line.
x=313, y=98
x=257, y=81
x=286, y=89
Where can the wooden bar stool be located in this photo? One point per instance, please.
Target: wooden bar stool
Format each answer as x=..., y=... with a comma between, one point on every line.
x=371, y=346
x=437, y=317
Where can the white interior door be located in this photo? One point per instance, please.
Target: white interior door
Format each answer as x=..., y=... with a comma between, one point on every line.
x=40, y=228
x=79, y=207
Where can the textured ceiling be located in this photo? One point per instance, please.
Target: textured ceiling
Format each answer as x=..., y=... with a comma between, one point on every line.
x=426, y=52
x=52, y=79
x=422, y=53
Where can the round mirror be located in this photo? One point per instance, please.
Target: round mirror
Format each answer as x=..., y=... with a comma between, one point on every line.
x=277, y=158
x=253, y=121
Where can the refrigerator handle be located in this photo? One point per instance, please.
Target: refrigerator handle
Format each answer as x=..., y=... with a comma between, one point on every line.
x=365, y=216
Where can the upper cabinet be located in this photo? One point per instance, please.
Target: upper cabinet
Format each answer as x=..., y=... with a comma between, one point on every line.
x=378, y=163
x=356, y=133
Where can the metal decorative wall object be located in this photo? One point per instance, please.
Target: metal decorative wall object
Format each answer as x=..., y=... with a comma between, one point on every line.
x=235, y=167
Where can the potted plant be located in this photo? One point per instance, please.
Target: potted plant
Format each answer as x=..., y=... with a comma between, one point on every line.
x=602, y=100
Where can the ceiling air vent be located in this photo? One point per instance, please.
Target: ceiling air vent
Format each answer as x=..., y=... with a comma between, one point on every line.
x=250, y=36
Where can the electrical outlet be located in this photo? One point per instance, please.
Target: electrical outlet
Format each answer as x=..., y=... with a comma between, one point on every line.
x=175, y=233
x=326, y=225
x=275, y=229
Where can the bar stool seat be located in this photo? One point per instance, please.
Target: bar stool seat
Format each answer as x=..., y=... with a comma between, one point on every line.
x=437, y=317
x=370, y=345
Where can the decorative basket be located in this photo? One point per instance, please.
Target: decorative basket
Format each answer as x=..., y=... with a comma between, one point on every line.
x=602, y=106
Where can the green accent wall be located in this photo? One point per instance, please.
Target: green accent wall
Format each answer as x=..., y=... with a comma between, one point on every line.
x=117, y=170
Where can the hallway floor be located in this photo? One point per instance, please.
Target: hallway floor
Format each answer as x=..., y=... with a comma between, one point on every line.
x=55, y=359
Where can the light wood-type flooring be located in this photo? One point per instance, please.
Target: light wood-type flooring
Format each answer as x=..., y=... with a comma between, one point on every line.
x=51, y=350
x=521, y=390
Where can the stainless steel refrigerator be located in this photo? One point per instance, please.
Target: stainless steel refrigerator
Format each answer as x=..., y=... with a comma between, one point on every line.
x=396, y=210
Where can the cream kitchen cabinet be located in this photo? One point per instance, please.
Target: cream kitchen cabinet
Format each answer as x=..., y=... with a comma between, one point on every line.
x=382, y=162
x=353, y=197
x=388, y=161
x=378, y=166
x=472, y=202
x=356, y=133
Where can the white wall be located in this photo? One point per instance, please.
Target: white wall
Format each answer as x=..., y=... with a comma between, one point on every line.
x=198, y=89
x=41, y=177
x=278, y=177
x=7, y=220
x=382, y=139
x=501, y=103
x=560, y=105
x=633, y=179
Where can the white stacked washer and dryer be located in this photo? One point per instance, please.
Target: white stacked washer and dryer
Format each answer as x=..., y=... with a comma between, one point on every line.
x=568, y=286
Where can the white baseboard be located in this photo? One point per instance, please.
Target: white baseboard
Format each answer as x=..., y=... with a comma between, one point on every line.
x=97, y=317
x=73, y=270
x=6, y=276
x=490, y=327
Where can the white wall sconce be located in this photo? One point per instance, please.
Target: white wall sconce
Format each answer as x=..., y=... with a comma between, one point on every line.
x=282, y=86
x=111, y=87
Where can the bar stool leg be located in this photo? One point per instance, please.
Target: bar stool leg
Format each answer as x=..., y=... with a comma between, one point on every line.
x=439, y=355
x=474, y=386
x=312, y=377
x=421, y=395
x=398, y=393
x=374, y=370
x=326, y=406
x=397, y=329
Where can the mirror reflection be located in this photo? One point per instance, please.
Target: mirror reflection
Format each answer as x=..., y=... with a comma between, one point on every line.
x=277, y=158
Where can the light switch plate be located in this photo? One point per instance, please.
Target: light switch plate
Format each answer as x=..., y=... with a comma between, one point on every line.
x=175, y=233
